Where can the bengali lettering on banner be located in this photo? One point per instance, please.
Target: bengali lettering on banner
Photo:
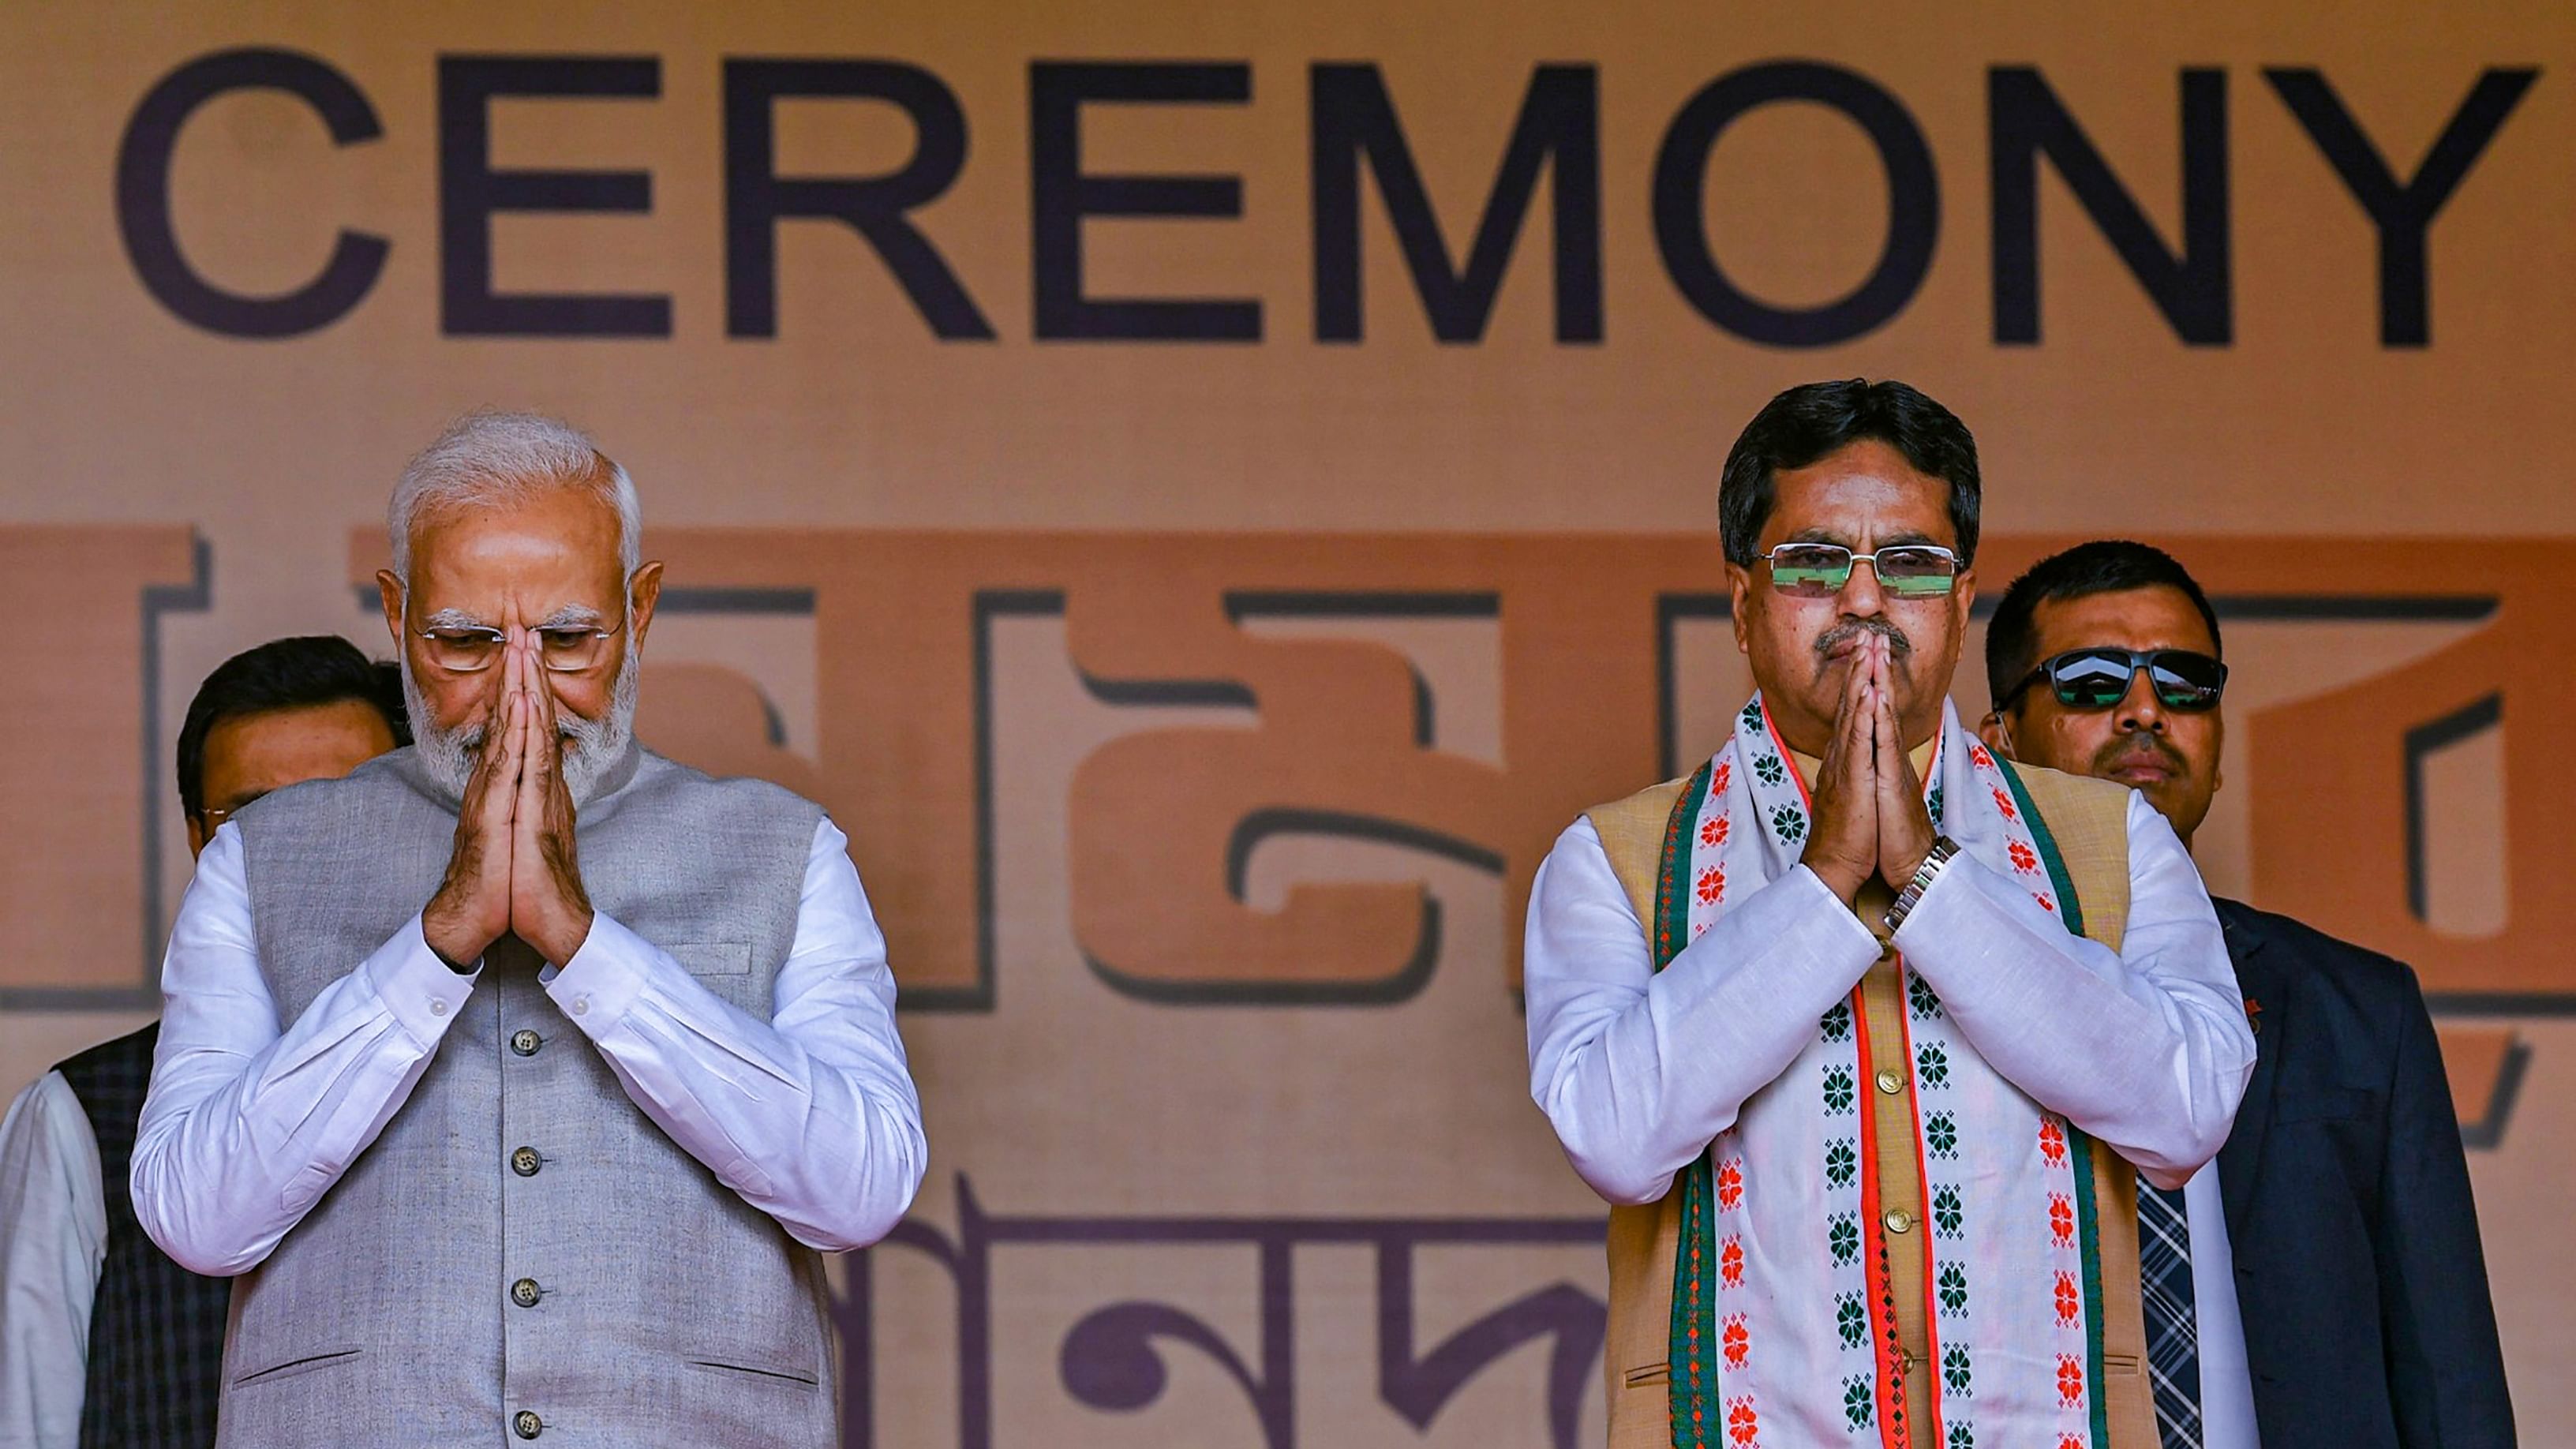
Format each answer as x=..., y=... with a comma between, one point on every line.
x=1340, y=736
x=1291, y=726
x=1256, y=748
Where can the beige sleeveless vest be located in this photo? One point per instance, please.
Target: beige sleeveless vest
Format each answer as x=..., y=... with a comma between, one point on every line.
x=2089, y=820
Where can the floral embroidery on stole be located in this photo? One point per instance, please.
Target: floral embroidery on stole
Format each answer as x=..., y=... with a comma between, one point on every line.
x=1783, y=1317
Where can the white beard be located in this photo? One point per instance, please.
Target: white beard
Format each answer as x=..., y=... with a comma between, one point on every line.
x=591, y=747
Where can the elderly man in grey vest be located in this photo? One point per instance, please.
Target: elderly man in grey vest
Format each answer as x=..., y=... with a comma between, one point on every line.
x=521, y=1074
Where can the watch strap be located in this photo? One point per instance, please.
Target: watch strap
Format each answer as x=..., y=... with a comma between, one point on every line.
x=1934, y=860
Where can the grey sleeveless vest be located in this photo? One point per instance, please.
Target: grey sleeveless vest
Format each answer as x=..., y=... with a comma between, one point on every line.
x=599, y=1287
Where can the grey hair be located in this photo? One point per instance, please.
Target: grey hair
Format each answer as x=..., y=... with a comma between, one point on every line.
x=491, y=457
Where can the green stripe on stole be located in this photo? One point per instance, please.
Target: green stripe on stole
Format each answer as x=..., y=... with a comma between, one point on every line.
x=1693, y=1392
x=2079, y=1146
x=1696, y=1412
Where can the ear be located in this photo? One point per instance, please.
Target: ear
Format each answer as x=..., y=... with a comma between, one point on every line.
x=390, y=590
x=1963, y=595
x=1998, y=739
x=1739, y=594
x=643, y=592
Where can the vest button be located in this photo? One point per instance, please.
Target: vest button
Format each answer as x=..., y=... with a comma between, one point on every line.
x=525, y=1293
x=1891, y=1082
x=526, y=1424
x=525, y=1162
x=525, y=1042
x=1899, y=1221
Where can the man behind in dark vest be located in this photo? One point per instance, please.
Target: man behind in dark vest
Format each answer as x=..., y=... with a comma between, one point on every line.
x=522, y=1076
x=103, y=1339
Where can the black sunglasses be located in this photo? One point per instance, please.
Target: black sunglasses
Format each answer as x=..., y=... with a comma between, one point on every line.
x=2099, y=678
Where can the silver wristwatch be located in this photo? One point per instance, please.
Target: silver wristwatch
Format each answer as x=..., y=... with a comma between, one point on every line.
x=1943, y=847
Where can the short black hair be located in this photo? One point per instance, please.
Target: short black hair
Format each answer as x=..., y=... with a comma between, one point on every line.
x=283, y=674
x=2104, y=566
x=1814, y=419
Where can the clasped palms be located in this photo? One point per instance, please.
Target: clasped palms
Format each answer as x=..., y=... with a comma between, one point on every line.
x=1870, y=819
x=514, y=870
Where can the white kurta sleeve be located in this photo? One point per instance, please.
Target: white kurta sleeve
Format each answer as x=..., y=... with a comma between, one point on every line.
x=1639, y=1070
x=246, y=1126
x=53, y=1239
x=810, y=1115
x=2145, y=1048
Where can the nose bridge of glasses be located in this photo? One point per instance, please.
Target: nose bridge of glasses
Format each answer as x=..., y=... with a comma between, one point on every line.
x=2138, y=699
x=1854, y=592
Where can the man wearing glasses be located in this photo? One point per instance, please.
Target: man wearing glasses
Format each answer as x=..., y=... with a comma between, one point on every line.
x=2357, y=1308
x=1861, y=1027
x=521, y=1074
x=103, y=1339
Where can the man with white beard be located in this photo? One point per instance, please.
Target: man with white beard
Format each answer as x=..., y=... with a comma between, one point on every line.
x=521, y=1074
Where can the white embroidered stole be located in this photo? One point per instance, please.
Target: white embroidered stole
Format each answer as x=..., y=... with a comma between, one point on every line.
x=1784, y=1321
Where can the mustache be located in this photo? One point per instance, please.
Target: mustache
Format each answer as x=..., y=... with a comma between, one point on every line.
x=2138, y=746
x=1898, y=646
x=590, y=746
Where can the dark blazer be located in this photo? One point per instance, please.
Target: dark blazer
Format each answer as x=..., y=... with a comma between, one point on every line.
x=2358, y=1271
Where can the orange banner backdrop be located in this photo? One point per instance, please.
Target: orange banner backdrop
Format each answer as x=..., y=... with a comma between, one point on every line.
x=1204, y=494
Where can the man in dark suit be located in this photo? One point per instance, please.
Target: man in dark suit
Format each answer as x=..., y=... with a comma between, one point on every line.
x=2357, y=1312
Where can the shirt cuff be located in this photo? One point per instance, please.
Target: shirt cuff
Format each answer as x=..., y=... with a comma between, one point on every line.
x=604, y=977
x=1821, y=901
x=1936, y=911
x=422, y=991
